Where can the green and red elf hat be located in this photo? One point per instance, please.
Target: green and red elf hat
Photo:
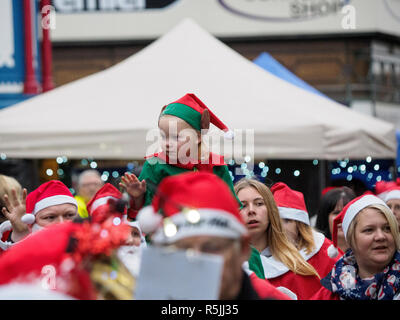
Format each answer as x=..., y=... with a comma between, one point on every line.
x=191, y=109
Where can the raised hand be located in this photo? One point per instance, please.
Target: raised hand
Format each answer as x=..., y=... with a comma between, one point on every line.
x=14, y=211
x=133, y=186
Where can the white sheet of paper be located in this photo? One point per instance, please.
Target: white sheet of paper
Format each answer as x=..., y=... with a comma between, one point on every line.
x=178, y=275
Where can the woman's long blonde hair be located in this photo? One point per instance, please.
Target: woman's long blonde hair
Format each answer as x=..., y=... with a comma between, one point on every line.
x=6, y=184
x=306, y=237
x=279, y=245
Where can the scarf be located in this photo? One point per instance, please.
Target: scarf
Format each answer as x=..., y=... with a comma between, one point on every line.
x=345, y=281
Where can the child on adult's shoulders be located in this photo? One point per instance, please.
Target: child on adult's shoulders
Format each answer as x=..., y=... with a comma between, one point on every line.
x=182, y=124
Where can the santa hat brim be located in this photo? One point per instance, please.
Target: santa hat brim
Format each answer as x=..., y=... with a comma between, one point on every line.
x=53, y=201
x=294, y=214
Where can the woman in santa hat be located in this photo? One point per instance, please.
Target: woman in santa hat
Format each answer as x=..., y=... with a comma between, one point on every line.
x=314, y=247
x=370, y=269
x=331, y=204
x=49, y=204
x=273, y=256
x=7, y=183
x=392, y=199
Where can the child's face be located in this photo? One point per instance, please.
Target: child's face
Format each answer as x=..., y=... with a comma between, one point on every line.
x=135, y=238
x=179, y=139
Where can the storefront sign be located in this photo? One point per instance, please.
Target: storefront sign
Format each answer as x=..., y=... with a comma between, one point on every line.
x=283, y=10
x=77, y=6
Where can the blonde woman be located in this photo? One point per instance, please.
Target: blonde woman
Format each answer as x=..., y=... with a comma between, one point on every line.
x=273, y=255
x=7, y=183
x=370, y=268
x=314, y=247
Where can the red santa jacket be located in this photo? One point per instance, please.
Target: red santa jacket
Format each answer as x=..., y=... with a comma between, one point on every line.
x=304, y=287
x=319, y=257
x=265, y=289
x=4, y=238
x=325, y=294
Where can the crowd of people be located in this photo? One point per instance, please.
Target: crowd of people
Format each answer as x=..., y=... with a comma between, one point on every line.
x=89, y=246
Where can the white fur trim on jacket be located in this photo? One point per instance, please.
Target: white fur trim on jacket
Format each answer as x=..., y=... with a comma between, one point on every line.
x=274, y=268
x=4, y=227
x=284, y=290
x=319, y=240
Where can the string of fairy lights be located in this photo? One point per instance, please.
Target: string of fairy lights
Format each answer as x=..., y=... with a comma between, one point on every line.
x=368, y=170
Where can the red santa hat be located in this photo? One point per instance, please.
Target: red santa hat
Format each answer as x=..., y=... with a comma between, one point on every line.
x=382, y=187
x=393, y=194
x=26, y=261
x=105, y=202
x=290, y=203
x=347, y=215
x=108, y=201
x=49, y=194
x=325, y=190
x=59, y=256
x=191, y=109
x=368, y=192
x=190, y=204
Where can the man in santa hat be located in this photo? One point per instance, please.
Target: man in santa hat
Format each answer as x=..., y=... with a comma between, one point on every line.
x=75, y=259
x=49, y=204
x=197, y=211
x=107, y=200
x=392, y=199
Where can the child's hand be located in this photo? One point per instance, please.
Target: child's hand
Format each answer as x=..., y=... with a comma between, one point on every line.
x=133, y=186
x=16, y=210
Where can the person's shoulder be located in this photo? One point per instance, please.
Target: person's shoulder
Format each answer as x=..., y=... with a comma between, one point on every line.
x=325, y=294
x=265, y=289
x=80, y=200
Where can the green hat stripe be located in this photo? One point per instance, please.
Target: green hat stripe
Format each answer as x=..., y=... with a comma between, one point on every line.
x=184, y=112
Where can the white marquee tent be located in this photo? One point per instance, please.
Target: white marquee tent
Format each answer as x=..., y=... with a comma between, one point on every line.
x=108, y=114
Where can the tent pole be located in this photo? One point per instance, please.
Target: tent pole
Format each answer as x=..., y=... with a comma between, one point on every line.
x=322, y=175
x=47, y=82
x=31, y=86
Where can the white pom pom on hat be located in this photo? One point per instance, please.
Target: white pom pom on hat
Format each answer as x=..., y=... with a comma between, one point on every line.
x=28, y=218
x=332, y=251
x=149, y=220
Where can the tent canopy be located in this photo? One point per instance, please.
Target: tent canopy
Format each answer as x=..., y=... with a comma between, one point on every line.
x=269, y=63
x=108, y=115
